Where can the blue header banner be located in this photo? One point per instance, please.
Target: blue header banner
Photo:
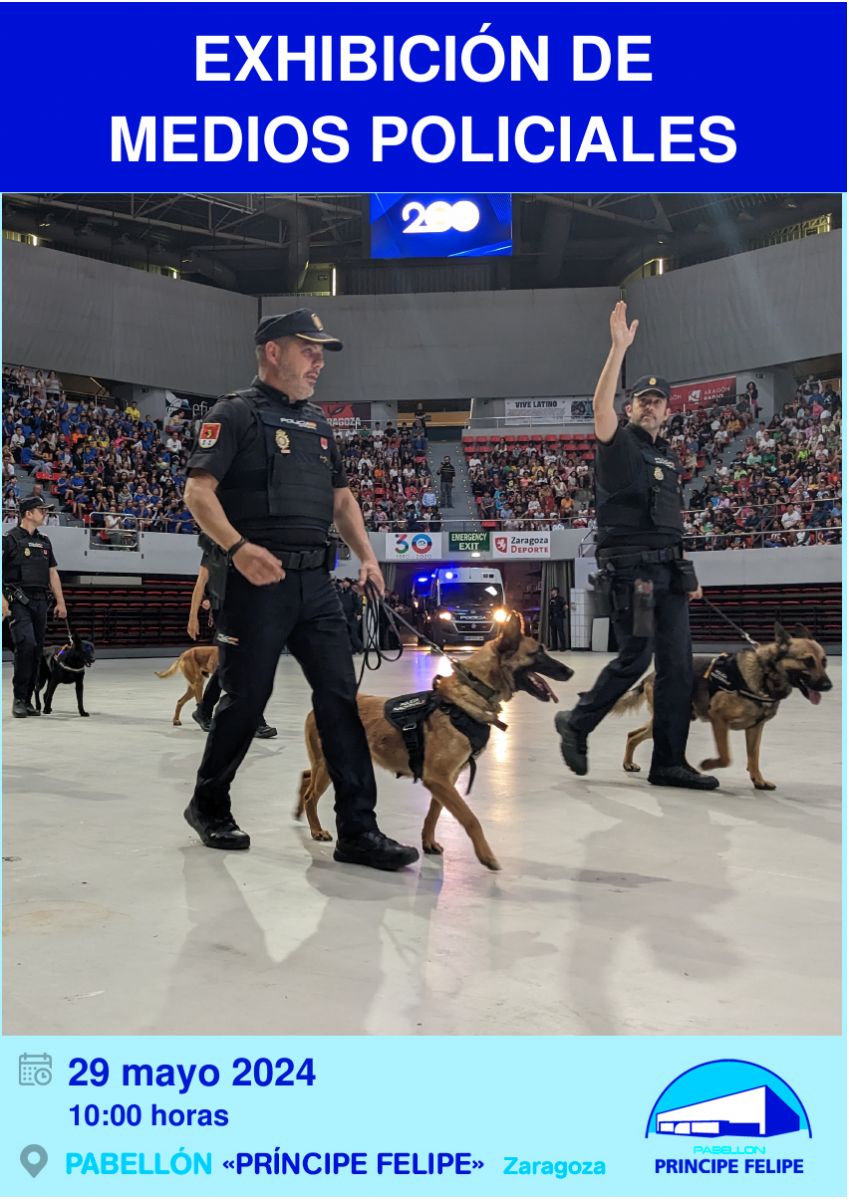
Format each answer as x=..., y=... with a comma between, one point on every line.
x=436, y=97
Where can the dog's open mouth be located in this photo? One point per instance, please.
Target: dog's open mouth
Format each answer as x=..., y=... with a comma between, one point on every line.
x=813, y=696
x=535, y=685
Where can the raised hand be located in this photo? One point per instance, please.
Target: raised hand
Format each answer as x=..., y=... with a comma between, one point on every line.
x=621, y=333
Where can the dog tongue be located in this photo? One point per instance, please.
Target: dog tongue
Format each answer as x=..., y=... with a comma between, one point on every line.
x=543, y=683
x=814, y=697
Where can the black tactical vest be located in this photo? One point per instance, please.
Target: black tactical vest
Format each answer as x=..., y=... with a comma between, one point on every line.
x=649, y=501
x=28, y=565
x=287, y=472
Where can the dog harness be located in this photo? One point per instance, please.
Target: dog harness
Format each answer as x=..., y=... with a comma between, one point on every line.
x=58, y=658
x=724, y=675
x=408, y=714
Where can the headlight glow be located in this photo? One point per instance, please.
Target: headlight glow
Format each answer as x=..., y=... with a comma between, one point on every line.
x=445, y=615
x=500, y=615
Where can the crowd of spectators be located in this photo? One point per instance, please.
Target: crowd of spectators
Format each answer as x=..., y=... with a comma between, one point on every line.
x=102, y=464
x=543, y=485
x=114, y=470
x=783, y=488
x=388, y=472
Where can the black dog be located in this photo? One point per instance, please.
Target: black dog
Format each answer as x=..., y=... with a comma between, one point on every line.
x=64, y=664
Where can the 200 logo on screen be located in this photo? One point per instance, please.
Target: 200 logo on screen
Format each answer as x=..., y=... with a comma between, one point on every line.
x=440, y=215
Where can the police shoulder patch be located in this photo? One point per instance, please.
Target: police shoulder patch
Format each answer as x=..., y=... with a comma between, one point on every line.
x=209, y=434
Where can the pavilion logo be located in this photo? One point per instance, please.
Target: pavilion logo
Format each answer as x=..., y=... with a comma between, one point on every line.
x=728, y=1098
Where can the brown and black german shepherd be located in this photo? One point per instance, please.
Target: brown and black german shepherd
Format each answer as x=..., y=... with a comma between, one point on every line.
x=510, y=663
x=769, y=674
x=197, y=664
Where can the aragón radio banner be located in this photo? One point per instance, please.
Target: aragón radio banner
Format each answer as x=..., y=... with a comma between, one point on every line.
x=547, y=410
x=413, y=547
x=703, y=393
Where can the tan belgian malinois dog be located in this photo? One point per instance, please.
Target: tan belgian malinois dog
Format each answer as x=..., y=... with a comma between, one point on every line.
x=741, y=691
x=477, y=688
x=197, y=664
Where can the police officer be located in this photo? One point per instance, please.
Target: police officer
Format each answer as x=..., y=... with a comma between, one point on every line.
x=265, y=481
x=29, y=574
x=640, y=531
x=353, y=610
x=556, y=620
x=212, y=692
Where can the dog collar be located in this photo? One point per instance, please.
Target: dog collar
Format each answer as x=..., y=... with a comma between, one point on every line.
x=64, y=666
x=487, y=693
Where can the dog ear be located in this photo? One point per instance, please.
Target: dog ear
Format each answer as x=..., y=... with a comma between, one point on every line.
x=511, y=634
x=781, y=634
x=802, y=631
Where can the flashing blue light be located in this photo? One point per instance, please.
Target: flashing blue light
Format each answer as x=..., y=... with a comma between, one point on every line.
x=449, y=574
x=422, y=579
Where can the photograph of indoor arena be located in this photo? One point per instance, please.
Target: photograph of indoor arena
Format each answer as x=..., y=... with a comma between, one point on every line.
x=171, y=858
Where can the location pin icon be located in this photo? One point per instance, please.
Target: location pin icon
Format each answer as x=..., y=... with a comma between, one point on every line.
x=34, y=1159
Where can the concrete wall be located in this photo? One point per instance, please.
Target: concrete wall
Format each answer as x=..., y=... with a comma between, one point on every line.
x=178, y=554
x=445, y=346
x=766, y=307
x=760, y=309
x=94, y=318
x=807, y=564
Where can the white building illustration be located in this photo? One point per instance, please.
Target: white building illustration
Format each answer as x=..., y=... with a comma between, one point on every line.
x=758, y=1111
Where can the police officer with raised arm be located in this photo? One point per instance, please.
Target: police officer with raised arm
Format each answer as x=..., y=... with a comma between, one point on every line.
x=641, y=567
x=30, y=574
x=265, y=482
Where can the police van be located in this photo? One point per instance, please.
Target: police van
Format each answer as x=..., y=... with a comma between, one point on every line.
x=463, y=606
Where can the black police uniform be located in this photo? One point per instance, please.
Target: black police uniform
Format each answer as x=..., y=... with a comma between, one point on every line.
x=277, y=465
x=27, y=559
x=557, y=622
x=212, y=692
x=640, y=531
x=353, y=610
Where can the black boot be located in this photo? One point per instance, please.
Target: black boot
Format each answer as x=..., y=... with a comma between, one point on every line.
x=375, y=849
x=265, y=731
x=682, y=777
x=19, y=708
x=204, y=723
x=573, y=744
x=219, y=831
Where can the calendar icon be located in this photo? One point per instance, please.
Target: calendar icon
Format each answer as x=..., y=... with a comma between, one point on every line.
x=35, y=1069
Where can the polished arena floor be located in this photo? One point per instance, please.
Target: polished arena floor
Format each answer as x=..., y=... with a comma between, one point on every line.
x=620, y=908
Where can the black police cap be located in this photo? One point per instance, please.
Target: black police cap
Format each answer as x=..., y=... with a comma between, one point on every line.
x=32, y=502
x=651, y=383
x=301, y=323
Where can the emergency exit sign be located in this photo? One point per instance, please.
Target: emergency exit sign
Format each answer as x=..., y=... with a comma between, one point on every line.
x=468, y=541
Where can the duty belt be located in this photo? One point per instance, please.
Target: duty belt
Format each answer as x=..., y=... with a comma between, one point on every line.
x=637, y=558
x=301, y=560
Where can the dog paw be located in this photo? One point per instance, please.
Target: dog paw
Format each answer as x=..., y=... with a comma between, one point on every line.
x=630, y=767
x=85, y=714
x=491, y=863
x=763, y=785
x=47, y=711
x=708, y=764
x=323, y=835
x=432, y=847
x=176, y=722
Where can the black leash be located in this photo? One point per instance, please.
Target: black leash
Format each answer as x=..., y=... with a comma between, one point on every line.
x=373, y=656
x=728, y=621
